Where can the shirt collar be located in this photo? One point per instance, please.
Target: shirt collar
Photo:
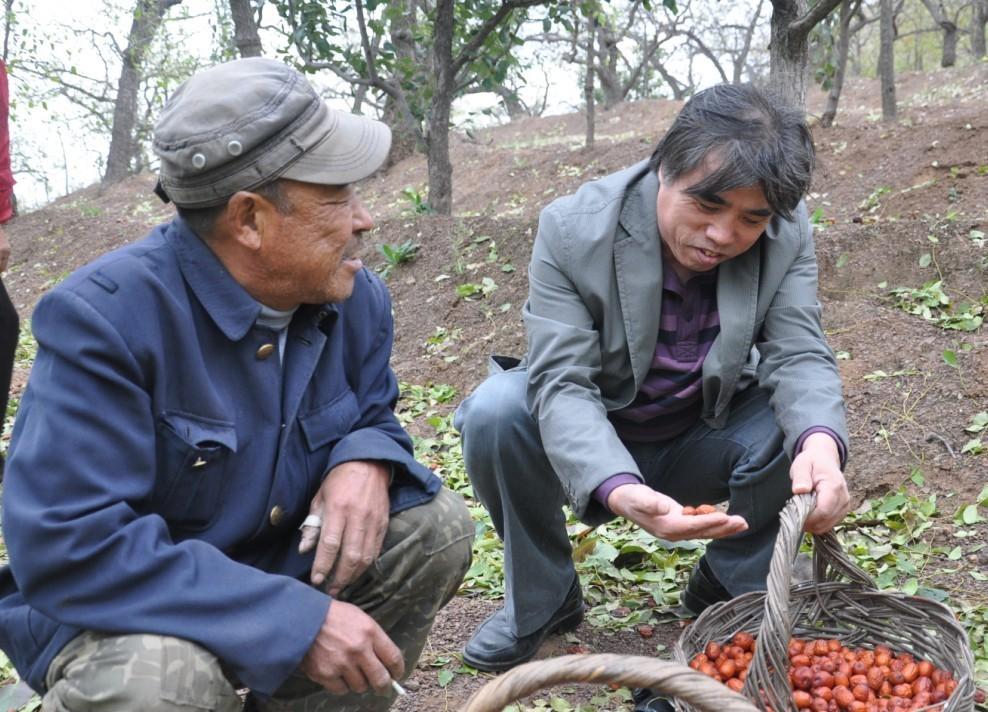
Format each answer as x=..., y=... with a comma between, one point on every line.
x=226, y=302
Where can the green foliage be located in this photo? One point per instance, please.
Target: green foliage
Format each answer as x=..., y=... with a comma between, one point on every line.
x=325, y=34
x=890, y=538
x=467, y=290
x=14, y=696
x=872, y=202
x=977, y=426
x=819, y=220
x=395, y=255
x=933, y=304
x=419, y=203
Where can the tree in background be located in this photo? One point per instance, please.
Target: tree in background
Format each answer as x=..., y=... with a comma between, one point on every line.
x=886, y=59
x=834, y=81
x=791, y=24
x=107, y=87
x=979, y=18
x=246, y=37
x=418, y=54
x=949, y=26
x=124, y=145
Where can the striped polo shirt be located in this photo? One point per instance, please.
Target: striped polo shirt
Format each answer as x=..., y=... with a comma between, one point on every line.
x=670, y=398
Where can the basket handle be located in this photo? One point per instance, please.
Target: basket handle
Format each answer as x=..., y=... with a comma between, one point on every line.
x=768, y=670
x=668, y=678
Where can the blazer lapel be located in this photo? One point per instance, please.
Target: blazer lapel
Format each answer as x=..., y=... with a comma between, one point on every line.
x=737, y=302
x=638, y=270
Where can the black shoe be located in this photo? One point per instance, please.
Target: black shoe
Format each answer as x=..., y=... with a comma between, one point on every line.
x=494, y=647
x=647, y=701
x=703, y=589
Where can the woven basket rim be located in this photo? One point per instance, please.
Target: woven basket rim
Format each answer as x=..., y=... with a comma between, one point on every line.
x=748, y=612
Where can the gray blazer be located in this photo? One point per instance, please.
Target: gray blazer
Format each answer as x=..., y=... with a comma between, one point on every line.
x=592, y=316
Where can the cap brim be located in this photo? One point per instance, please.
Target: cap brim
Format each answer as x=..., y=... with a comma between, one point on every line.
x=353, y=149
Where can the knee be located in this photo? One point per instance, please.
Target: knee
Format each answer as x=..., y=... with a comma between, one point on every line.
x=447, y=539
x=498, y=404
x=138, y=672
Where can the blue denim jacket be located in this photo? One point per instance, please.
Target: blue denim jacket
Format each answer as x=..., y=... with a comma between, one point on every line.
x=161, y=464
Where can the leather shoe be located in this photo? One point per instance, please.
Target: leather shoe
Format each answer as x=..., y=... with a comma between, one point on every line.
x=494, y=647
x=703, y=589
x=647, y=701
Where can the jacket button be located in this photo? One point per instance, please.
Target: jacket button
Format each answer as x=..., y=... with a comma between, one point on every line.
x=277, y=514
x=264, y=351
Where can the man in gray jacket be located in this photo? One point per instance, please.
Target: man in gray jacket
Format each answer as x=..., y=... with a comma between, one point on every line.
x=675, y=357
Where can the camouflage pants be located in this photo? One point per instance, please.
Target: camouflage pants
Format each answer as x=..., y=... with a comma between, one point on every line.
x=425, y=554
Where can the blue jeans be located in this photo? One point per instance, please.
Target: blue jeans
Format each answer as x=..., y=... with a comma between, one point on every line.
x=743, y=463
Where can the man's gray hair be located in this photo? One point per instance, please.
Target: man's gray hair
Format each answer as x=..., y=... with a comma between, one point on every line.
x=202, y=221
x=754, y=136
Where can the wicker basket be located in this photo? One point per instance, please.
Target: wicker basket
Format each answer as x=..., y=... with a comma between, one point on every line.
x=852, y=611
x=703, y=692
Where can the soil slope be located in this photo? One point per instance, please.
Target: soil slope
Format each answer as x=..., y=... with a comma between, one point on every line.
x=881, y=193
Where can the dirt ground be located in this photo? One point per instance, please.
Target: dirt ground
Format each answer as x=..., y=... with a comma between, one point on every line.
x=881, y=192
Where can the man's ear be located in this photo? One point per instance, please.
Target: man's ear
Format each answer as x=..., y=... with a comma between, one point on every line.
x=249, y=218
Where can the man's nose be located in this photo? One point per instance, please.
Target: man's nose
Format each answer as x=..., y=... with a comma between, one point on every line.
x=720, y=231
x=362, y=220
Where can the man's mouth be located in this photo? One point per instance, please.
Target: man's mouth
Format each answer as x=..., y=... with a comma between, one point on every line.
x=351, y=253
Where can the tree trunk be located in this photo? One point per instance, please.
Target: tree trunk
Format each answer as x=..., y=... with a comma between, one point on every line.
x=8, y=17
x=886, y=59
x=606, y=65
x=511, y=102
x=792, y=22
x=405, y=135
x=245, y=35
x=588, y=82
x=949, y=56
x=148, y=16
x=979, y=18
x=440, y=169
x=843, y=42
x=788, y=52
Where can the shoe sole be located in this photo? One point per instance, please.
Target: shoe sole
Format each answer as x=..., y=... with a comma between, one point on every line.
x=565, y=625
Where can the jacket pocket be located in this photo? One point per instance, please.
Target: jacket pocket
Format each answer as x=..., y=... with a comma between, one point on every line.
x=328, y=423
x=194, y=459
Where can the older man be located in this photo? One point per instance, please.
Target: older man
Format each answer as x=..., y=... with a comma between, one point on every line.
x=200, y=394
x=675, y=356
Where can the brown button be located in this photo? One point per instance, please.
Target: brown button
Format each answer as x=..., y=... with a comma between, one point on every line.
x=265, y=351
x=277, y=514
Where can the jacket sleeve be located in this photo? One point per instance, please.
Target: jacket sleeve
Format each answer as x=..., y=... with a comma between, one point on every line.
x=564, y=362
x=82, y=471
x=377, y=434
x=797, y=365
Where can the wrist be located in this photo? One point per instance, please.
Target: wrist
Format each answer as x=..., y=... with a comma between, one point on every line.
x=821, y=443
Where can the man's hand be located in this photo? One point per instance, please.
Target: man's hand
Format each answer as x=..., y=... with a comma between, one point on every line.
x=352, y=653
x=4, y=251
x=353, y=505
x=663, y=516
x=817, y=469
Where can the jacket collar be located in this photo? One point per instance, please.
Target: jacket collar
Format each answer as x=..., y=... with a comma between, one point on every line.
x=227, y=303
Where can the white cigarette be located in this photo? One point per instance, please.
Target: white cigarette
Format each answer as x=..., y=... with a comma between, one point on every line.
x=398, y=688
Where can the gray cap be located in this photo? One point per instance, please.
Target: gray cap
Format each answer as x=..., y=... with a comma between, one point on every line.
x=242, y=124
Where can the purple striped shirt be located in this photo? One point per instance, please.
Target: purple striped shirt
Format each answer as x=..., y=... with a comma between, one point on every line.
x=670, y=398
